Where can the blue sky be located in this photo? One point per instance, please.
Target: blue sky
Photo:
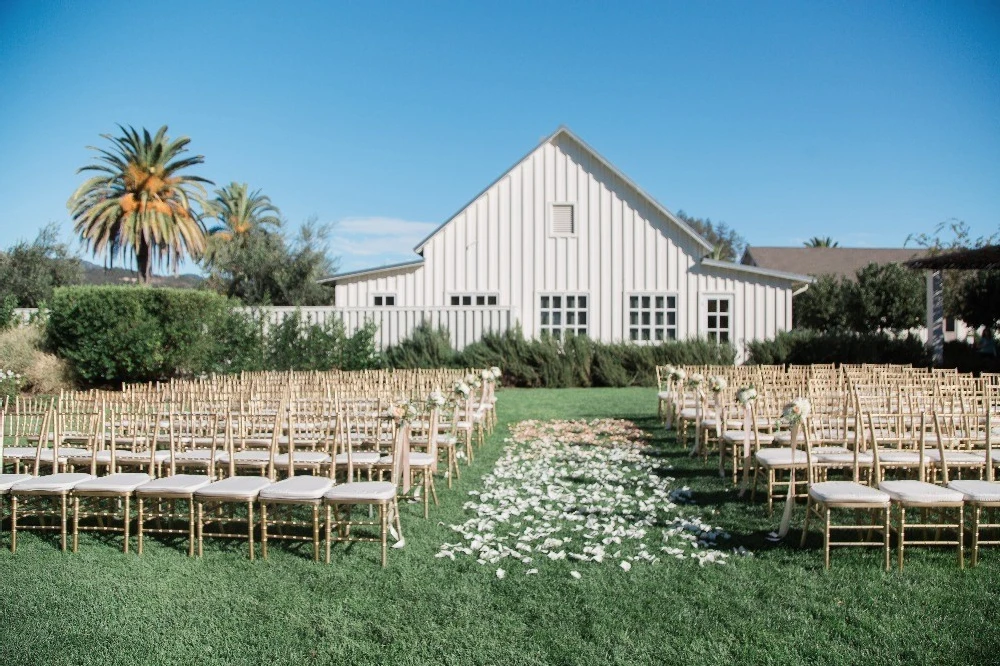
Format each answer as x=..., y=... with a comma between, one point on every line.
x=864, y=121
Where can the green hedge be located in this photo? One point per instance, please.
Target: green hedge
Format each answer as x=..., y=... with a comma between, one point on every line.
x=802, y=347
x=115, y=334
x=576, y=361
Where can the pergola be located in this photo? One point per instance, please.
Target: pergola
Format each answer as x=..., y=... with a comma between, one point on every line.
x=980, y=258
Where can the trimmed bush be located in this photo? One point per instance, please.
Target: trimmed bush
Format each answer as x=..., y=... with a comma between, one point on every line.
x=115, y=334
x=802, y=347
x=427, y=347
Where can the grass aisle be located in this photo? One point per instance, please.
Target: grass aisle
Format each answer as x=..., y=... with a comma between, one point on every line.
x=777, y=606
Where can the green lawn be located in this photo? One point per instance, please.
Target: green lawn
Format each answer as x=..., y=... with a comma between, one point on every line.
x=779, y=606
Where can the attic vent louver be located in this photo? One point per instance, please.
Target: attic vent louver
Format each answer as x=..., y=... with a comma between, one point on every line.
x=563, y=219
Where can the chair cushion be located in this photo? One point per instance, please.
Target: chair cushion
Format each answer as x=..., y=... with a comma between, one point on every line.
x=845, y=458
x=359, y=458
x=53, y=483
x=781, y=458
x=141, y=456
x=736, y=437
x=248, y=458
x=977, y=491
x=297, y=488
x=664, y=395
x=897, y=456
x=178, y=485
x=198, y=455
x=417, y=459
x=19, y=452
x=982, y=455
x=920, y=493
x=847, y=491
x=235, y=487
x=302, y=458
x=783, y=437
x=361, y=491
x=113, y=483
x=956, y=457
x=8, y=480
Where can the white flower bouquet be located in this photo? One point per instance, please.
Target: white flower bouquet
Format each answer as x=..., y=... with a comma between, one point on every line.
x=696, y=380
x=796, y=410
x=436, y=398
x=404, y=411
x=717, y=384
x=472, y=379
x=461, y=390
x=746, y=395
x=677, y=374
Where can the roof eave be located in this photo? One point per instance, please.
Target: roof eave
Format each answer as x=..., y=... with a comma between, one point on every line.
x=368, y=271
x=795, y=278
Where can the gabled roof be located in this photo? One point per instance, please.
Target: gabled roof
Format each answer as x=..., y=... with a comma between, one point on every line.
x=842, y=262
x=797, y=278
x=369, y=271
x=565, y=131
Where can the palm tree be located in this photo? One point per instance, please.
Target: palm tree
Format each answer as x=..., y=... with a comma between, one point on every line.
x=816, y=241
x=142, y=204
x=240, y=212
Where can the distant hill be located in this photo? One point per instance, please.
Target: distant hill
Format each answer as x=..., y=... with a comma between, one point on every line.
x=94, y=274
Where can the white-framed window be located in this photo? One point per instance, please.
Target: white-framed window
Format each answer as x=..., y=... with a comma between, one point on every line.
x=650, y=317
x=718, y=317
x=562, y=219
x=562, y=314
x=384, y=300
x=473, y=299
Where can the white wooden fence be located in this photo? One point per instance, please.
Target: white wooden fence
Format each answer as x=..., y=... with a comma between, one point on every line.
x=465, y=324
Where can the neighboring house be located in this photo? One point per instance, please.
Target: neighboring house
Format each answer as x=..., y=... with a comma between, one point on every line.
x=564, y=242
x=843, y=263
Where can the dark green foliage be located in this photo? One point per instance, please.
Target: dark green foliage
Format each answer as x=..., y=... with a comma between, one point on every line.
x=886, y=297
x=968, y=358
x=296, y=344
x=7, y=318
x=241, y=343
x=426, y=347
x=30, y=271
x=804, y=347
x=821, y=307
x=581, y=362
x=977, y=302
x=728, y=245
x=115, y=334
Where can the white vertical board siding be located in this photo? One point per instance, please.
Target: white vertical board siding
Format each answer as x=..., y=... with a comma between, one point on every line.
x=501, y=243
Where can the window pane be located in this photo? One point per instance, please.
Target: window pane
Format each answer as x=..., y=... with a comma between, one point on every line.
x=712, y=305
x=545, y=318
x=581, y=331
x=633, y=318
x=557, y=318
x=659, y=302
x=556, y=333
x=634, y=333
x=455, y=300
x=545, y=301
x=570, y=318
x=724, y=305
x=672, y=334
x=645, y=319
x=571, y=301
x=492, y=300
x=671, y=302
x=390, y=300
x=645, y=334
x=724, y=321
x=659, y=334
x=645, y=301
x=378, y=300
x=713, y=322
x=633, y=302
x=557, y=301
x=582, y=301
x=581, y=317
x=724, y=336
x=480, y=300
x=671, y=319
x=659, y=319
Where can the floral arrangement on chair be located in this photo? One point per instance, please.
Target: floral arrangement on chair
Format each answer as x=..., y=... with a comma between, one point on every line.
x=436, y=398
x=473, y=380
x=676, y=374
x=461, y=390
x=746, y=395
x=497, y=374
x=695, y=381
x=717, y=384
x=796, y=410
x=404, y=411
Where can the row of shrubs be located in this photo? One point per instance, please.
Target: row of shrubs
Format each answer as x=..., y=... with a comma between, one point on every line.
x=108, y=335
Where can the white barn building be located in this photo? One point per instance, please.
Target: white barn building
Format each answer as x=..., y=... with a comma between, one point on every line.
x=563, y=241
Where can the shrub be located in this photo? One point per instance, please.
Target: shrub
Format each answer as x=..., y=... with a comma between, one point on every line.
x=426, y=347
x=802, y=347
x=115, y=334
x=21, y=352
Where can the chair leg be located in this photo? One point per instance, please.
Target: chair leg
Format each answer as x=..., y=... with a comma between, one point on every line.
x=885, y=537
x=138, y=526
x=902, y=534
x=805, y=522
x=328, y=534
x=384, y=528
x=976, y=510
x=76, y=524
x=961, y=536
x=13, y=524
x=201, y=528
x=250, y=528
x=263, y=531
x=315, y=532
x=62, y=529
x=826, y=537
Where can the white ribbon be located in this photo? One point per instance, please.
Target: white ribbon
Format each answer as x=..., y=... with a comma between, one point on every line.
x=786, y=516
x=746, y=449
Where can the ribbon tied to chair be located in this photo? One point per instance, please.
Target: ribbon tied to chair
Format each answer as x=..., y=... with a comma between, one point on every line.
x=786, y=514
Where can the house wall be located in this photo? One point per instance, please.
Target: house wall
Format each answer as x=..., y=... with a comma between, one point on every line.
x=500, y=244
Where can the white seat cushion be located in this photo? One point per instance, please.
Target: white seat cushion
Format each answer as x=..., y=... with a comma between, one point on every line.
x=897, y=456
x=140, y=456
x=198, y=455
x=235, y=487
x=845, y=458
x=736, y=437
x=297, y=488
x=359, y=458
x=8, y=480
x=248, y=458
x=664, y=395
x=21, y=452
x=956, y=457
x=303, y=458
x=982, y=455
x=783, y=437
x=113, y=483
x=822, y=450
x=977, y=491
x=53, y=483
x=920, y=493
x=178, y=485
x=361, y=491
x=781, y=458
x=847, y=492
x=417, y=459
